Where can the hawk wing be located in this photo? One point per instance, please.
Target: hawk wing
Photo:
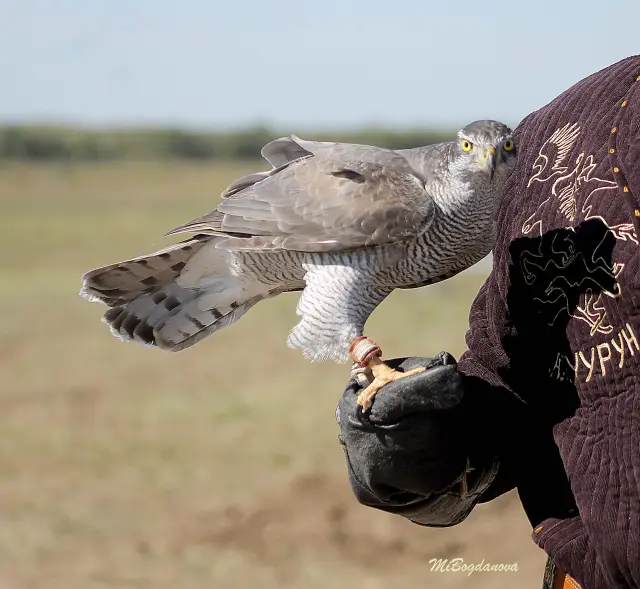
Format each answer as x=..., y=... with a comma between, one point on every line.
x=321, y=197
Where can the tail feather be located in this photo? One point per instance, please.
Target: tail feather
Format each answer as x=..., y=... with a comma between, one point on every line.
x=170, y=327
x=190, y=325
x=123, y=282
x=154, y=303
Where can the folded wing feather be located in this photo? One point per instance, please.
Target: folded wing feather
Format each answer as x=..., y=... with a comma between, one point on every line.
x=321, y=197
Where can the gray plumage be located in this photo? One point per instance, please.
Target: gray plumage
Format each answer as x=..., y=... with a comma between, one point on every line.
x=345, y=224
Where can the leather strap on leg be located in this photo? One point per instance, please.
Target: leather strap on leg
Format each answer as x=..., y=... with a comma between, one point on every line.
x=362, y=349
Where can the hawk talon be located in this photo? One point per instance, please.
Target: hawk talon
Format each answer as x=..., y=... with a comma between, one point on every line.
x=362, y=375
x=366, y=353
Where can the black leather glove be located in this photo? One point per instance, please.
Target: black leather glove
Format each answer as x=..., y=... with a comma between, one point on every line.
x=409, y=453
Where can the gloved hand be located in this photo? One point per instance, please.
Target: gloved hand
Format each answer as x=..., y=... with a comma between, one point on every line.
x=411, y=444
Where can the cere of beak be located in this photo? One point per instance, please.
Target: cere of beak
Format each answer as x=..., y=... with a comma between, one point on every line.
x=490, y=160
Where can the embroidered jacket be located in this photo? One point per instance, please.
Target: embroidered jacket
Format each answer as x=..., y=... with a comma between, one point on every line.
x=557, y=321
x=548, y=393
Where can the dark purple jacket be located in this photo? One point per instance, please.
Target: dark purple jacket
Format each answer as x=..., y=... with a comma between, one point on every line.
x=547, y=397
x=557, y=321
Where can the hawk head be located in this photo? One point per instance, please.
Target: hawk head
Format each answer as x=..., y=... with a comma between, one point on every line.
x=486, y=147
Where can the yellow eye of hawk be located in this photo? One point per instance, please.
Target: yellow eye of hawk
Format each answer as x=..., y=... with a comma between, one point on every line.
x=466, y=145
x=508, y=145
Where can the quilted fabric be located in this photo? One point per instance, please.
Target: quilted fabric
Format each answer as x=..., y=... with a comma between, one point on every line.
x=557, y=321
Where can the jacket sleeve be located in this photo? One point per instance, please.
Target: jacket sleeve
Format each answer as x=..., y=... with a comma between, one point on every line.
x=523, y=438
x=534, y=463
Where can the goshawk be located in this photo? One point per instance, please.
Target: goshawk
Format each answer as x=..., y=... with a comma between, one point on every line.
x=345, y=224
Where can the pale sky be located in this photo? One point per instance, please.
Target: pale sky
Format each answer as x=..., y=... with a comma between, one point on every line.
x=301, y=65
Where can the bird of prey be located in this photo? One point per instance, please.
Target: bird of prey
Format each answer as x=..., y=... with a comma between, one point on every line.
x=345, y=224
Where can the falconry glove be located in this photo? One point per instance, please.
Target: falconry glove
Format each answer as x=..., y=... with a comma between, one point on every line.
x=410, y=453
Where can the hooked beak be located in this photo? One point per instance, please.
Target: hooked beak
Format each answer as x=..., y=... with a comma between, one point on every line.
x=490, y=160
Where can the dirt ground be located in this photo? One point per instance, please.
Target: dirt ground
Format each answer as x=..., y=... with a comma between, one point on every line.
x=217, y=467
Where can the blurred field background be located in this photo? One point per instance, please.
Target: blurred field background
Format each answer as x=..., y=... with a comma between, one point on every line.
x=217, y=467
